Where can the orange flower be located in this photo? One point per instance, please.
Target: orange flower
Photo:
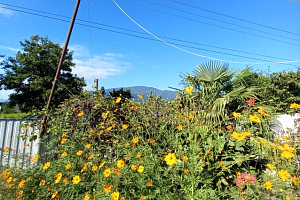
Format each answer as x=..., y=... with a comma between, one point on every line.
x=185, y=158
x=6, y=149
x=152, y=141
x=179, y=127
x=139, y=155
x=35, y=157
x=65, y=180
x=139, y=96
x=107, y=188
x=149, y=183
x=79, y=153
x=42, y=182
x=186, y=171
x=68, y=166
x=74, y=109
x=143, y=197
x=92, y=131
x=220, y=163
x=133, y=107
x=133, y=167
x=64, y=154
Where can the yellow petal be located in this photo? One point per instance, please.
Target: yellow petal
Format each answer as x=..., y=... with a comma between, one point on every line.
x=287, y=154
x=280, y=148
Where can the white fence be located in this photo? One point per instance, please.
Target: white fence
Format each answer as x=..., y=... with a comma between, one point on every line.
x=19, y=152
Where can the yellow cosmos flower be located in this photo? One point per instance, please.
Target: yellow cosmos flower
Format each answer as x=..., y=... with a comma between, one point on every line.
x=91, y=156
x=185, y=158
x=107, y=188
x=294, y=105
x=139, y=96
x=133, y=107
x=118, y=99
x=141, y=169
x=254, y=118
x=104, y=115
x=68, y=166
x=79, y=153
x=86, y=197
x=80, y=114
x=295, y=180
x=284, y=175
x=63, y=140
x=287, y=151
x=125, y=126
x=46, y=165
x=64, y=154
x=6, y=149
x=170, y=159
x=133, y=167
x=35, y=157
x=21, y=184
x=188, y=89
x=270, y=166
x=120, y=163
x=240, y=136
x=76, y=179
x=102, y=164
x=115, y=195
x=42, y=182
x=268, y=185
x=179, y=127
x=288, y=198
x=235, y=114
x=88, y=146
x=55, y=194
x=94, y=168
x=135, y=140
x=106, y=172
x=58, y=177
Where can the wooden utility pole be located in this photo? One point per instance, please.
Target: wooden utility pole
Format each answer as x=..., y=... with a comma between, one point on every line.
x=42, y=128
x=96, y=86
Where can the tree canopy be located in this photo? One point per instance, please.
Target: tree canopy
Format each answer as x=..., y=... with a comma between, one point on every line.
x=30, y=74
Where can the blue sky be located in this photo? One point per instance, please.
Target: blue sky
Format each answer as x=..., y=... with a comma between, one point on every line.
x=122, y=61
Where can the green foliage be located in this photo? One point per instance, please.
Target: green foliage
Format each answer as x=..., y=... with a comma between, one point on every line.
x=121, y=92
x=30, y=74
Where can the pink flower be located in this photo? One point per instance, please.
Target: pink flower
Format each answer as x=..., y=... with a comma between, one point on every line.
x=240, y=182
x=249, y=178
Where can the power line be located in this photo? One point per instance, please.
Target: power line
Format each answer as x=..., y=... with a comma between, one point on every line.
x=227, y=23
x=229, y=16
x=174, y=39
x=198, y=21
x=141, y=37
x=192, y=53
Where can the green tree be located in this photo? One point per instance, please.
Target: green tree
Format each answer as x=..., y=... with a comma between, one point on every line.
x=30, y=74
x=121, y=93
x=102, y=91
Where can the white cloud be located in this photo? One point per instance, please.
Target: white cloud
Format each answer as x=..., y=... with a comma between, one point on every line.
x=4, y=94
x=6, y=12
x=9, y=48
x=101, y=66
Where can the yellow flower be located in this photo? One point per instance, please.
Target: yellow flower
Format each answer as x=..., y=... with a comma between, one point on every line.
x=220, y=163
x=254, y=118
x=135, y=140
x=91, y=156
x=284, y=175
x=63, y=140
x=186, y=171
x=188, y=89
x=79, y=153
x=86, y=197
x=64, y=154
x=235, y=114
x=270, y=166
x=295, y=180
x=101, y=165
x=106, y=172
x=42, y=182
x=115, y=195
x=170, y=158
x=68, y=166
x=55, y=194
x=125, y=126
x=58, y=177
x=21, y=184
x=239, y=136
x=287, y=151
x=288, y=198
x=294, y=105
x=242, y=198
x=143, y=197
x=88, y=146
x=9, y=180
x=141, y=169
x=6, y=149
x=139, y=96
x=46, y=165
x=149, y=183
x=120, y=163
x=35, y=157
x=94, y=168
x=179, y=127
x=65, y=180
x=268, y=185
x=138, y=155
x=116, y=172
x=118, y=99
x=104, y=115
x=80, y=114
x=133, y=167
x=261, y=111
x=107, y=188
x=76, y=179
x=185, y=158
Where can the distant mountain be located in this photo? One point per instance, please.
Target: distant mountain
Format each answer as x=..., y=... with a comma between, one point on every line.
x=135, y=90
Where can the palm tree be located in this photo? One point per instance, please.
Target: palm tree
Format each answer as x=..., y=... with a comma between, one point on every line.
x=217, y=89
